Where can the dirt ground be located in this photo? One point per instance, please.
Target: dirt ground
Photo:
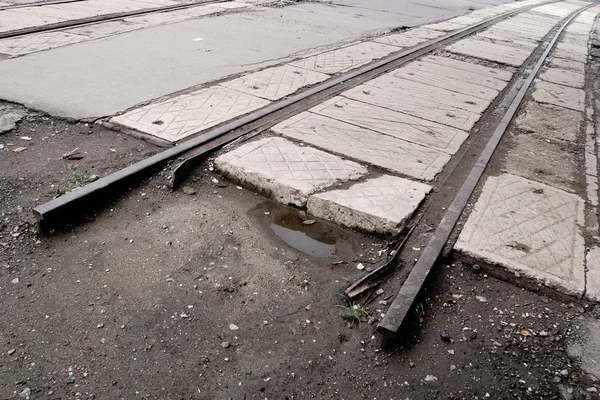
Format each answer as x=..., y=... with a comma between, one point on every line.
x=167, y=295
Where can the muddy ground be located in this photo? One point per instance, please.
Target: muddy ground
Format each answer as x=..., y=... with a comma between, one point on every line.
x=167, y=295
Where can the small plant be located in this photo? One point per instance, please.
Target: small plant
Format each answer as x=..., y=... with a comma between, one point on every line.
x=74, y=181
x=354, y=313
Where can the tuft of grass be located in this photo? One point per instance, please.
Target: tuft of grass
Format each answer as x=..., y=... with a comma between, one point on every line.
x=354, y=313
x=74, y=181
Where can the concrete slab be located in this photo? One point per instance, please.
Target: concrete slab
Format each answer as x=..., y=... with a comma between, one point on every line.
x=559, y=95
x=389, y=122
x=581, y=49
x=9, y=120
x=276, y=82
x=178, y=117
x=364, y=145
x=106, y=29
x=570, y=55
x=529, y=228
x=380, y=205
x=285, y=171
x=38, y=42
x=446, y=26
x=579, y=28
x=407, y=89
x=480, y=72
x=540, y=160
x=587, y=350
x=347, y=58
x=106, y=76
x=562, y=9
x=563, y=77
x=409, y=38
x=451, y=79
x=571, y=65
x=493, y=52
x=506, y=36
x=173, y=16
x=550, y=122
x=593, y=279
x=426, y=109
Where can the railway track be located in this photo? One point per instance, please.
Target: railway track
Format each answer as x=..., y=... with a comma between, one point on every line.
x=96, y=19
x=454, y=186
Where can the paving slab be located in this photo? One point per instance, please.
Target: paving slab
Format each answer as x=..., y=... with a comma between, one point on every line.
x=513, y=42
x=409, y=38
x=451, y=79
x=564, y=63
x=593, y=279
x=580, y=50
x=479, y=72
x=173, y=16
x=563, y=77
x=446, y=26
x=493, y=52
x=559, y=95
x=541, y=160
x=562, y=9
x=285, y=171
x=364, y=145
x=579, y=28
x=381, y=205
x=38, y=42
x=550, y=122
x=407, y=89
x=178, y=117
x=97, y=31
x=9, y=120
x=276, y=82
x=506, y=37
x=393, y=123
x=346, y=58
x=570, y=55
x=529, y=228
x=426, y=109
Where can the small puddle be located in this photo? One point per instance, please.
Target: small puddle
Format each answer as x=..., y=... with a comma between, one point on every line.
x=316, y=239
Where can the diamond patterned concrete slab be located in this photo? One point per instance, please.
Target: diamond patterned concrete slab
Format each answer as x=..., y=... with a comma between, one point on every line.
x=38, y=42
x=451, y=79
x=559, y=95
x=493, y=52
x=393, y=123
x=415, y=90
x=550, y=121
x=409, y=38
x=275, y=83
x=181, y=116
x=381, y=205
x=563, y=77
x=364, y=145
x=530, y=228
x=430, y=110
x=346, y=58
x=286, y=171
x=479, y=72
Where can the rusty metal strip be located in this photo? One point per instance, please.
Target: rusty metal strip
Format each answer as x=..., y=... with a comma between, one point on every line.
x=406, y=297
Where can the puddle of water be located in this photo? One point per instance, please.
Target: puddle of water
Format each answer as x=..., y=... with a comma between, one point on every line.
x=316, y=239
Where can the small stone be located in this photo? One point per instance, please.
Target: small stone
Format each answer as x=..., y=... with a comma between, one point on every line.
x=19, y=149
x=445, y=335
x=225, y=345
x=564, y=372
x=100, y=326
x=430, y=378
x=497, y=344
x=543, y=334
x=379, y=292
x=476, y=268
x=25, y=393
x=481, y=299
x=591, y=389
x=188, y=190
x=517, y=274
x=11, y=352
x=93, y=178
x=451, y=352
x=233, y=327
x=360, y=267
x=15, y=281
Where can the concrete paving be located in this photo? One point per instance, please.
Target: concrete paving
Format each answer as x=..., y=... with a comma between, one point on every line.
x=380, y=205
x=571, y=65
x=178, y=117
x=276, y=82
x=559, y=95
x=112, y=74
x=530, y=229
x=364, y=145
x=392, y=123
x=494, y=52
x=479, y=73
x=286, y=171
x=563, y=77
x=410, y=38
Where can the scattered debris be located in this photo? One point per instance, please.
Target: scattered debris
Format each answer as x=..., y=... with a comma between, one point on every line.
x=74, y=154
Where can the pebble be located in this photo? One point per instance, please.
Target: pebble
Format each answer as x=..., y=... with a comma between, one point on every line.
x=360, y=267
x=93, y=178
x=379, y=292
x=15, y=281
x=188, y=190
x=11, y=352
x=100, y=326
x=430, y=378
x=497, y=344
x=481, y=299
x=445, y=335
x=591, y=390
x=564, y=372
x=233, y=327
x=25, y=393
x=225, y=345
